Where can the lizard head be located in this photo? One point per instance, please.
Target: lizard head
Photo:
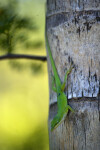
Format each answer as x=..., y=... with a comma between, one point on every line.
x=56, y=121
x=60, y=117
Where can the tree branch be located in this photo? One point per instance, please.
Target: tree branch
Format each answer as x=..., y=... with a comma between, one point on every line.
x=23, y=56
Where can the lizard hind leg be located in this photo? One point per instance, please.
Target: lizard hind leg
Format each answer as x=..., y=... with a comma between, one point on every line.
x=65, y=78
x=53, y=84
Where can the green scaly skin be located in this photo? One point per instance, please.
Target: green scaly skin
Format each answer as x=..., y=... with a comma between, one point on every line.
x=62, y=101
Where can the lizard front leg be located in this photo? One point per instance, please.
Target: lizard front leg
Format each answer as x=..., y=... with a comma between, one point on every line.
x=69, y=108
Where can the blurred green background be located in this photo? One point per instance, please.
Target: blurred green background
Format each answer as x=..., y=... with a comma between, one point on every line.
x=23, y=83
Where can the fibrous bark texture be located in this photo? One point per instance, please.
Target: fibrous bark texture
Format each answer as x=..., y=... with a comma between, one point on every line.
x=73, y=28
x=81, y=130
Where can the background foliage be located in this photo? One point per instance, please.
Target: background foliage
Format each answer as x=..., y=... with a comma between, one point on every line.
x=23, y=83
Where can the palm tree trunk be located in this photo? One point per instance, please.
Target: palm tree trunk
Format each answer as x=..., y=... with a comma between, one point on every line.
x=73, y=28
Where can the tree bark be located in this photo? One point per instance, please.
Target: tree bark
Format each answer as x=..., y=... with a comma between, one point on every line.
x=73, y=28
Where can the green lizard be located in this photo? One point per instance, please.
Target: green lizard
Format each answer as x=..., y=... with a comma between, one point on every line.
x=62, y=103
